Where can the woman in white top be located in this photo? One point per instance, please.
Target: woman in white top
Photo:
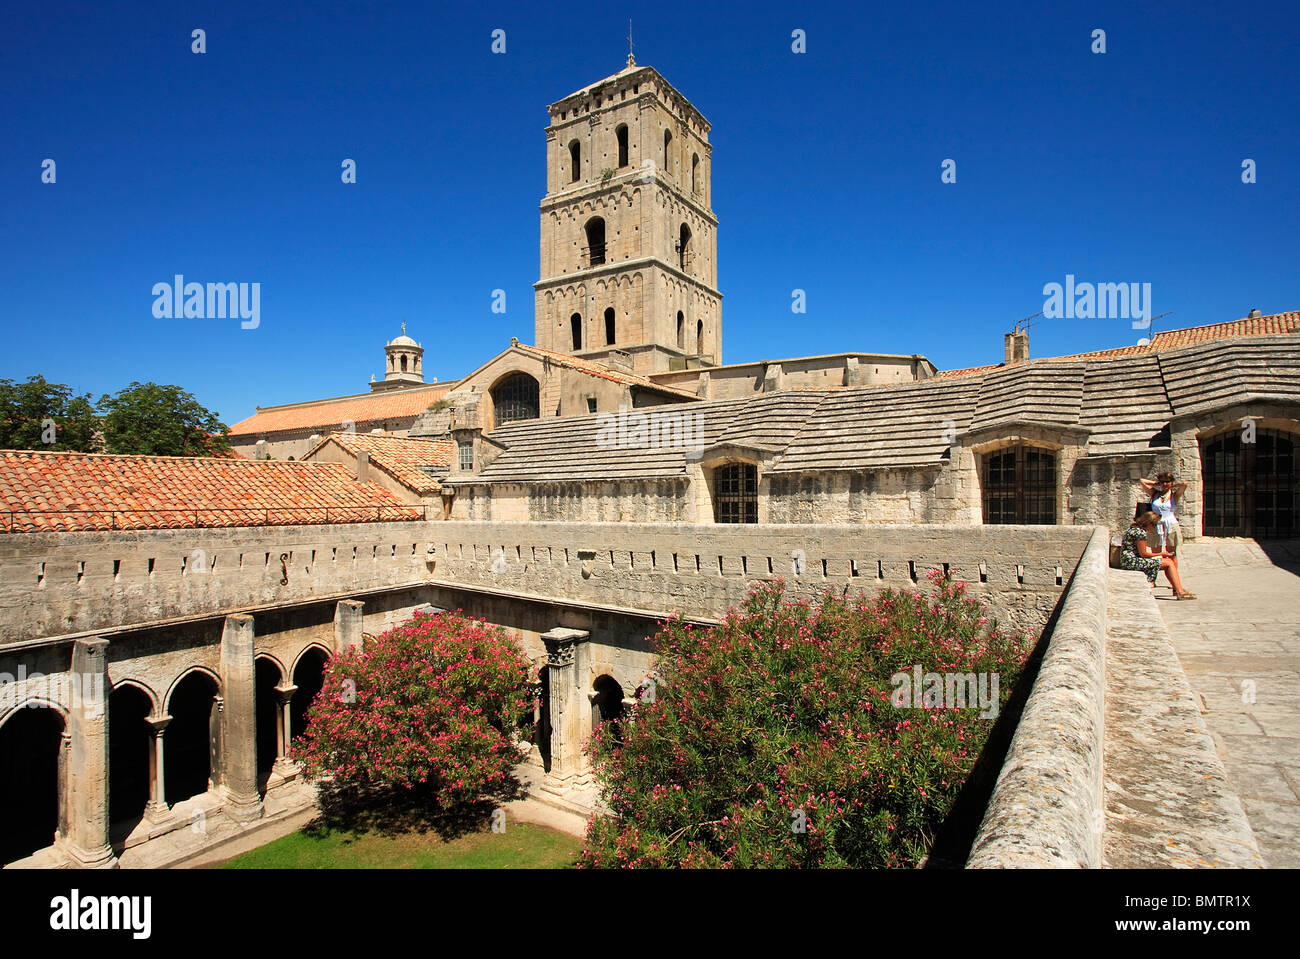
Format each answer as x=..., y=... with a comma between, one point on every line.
x=1165, y=496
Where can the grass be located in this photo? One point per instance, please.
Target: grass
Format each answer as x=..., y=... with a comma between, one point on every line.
x=520, y=846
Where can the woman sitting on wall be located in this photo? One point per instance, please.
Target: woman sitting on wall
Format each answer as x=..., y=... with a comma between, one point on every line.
x=1165, y=496
x=1135, y=553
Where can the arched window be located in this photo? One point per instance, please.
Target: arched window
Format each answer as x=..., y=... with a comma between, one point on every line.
x=1251, y=489
x=681, y=331
x=517, y=397
x=735, y=493
x=575, y=161
x=403, y=362
x=668, y=157
x=621, y=132
x=695, y=173
x=609, y=326
x=595, y=230
x=575, y=327
x=699, y=336
x=1020, y=486
x=684, y=248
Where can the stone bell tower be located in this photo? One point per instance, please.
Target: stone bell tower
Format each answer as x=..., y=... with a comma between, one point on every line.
x=629, y=271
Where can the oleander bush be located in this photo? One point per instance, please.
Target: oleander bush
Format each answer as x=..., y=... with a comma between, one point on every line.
x=430, y=705
x=773, y=740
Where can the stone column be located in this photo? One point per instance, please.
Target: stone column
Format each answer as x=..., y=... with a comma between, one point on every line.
x=347, y=625
x=87, y=841
x=567, y=659
x=284, y=732
x=157, y=810
x=238, y=721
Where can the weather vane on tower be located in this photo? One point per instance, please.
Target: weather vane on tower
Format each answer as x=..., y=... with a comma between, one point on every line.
x=631, y=60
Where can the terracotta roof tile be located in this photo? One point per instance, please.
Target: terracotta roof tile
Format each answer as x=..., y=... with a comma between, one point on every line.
x=327, y=415
x=64, y=492
x=402, y=457
x=625, y=377
x=1274, y=323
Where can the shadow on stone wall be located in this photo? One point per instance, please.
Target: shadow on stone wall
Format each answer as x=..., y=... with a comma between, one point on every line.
x=952, y=844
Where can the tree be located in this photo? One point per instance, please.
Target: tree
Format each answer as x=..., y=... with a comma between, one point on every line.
x=778, y=738
x=37, y=415
x=431, y=704
x=160, y=420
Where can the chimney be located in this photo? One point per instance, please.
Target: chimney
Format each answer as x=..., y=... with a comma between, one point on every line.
x=1015, y=347
x=1254, y=313
x=363, y=467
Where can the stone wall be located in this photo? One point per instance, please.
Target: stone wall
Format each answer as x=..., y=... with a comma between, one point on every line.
x=58, y=583
x=1058, y=746
x=703, y=570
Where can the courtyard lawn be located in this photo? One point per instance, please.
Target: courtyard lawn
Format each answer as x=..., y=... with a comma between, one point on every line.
x=521, y=846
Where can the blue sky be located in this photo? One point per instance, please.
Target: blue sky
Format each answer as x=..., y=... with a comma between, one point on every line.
x=1115, y=167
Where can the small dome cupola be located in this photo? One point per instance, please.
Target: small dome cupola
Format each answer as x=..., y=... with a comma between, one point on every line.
x=405, y=360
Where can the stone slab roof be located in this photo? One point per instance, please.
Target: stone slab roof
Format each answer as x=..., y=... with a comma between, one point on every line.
x=1119, y=404
x=66, y=492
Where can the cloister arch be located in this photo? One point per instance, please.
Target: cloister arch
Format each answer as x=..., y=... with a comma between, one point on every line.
x=32, y=770
x=132, y=762
x=268, y=699
x=192, y=738
x=308, y=677
x=607, y=703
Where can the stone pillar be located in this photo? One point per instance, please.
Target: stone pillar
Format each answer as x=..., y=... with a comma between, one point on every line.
x=87, y=841
x=347, y=625
x=284, y=732
x=567, y=658
x=238, y=719
x=157, y=810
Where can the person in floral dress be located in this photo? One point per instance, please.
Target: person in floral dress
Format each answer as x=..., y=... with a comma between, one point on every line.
x=1135, y=553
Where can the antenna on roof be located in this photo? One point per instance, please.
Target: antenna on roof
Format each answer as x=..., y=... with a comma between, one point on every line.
x=1144, y=341
x=631, y=60
x=1025, y=324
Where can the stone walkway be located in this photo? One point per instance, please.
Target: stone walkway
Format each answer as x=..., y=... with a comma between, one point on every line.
x=1169, y=802
x=1239, y=644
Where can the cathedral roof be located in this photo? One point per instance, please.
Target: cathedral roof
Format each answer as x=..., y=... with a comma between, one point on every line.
x=324, y=416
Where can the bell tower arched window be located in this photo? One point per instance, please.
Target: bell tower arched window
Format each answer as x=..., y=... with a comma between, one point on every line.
x=668, y=156
x=684, y=248
x=621, y=133
x=609, y=326
x=595, y=230
x=575, y=161
x=575, y=327
x=681, y=331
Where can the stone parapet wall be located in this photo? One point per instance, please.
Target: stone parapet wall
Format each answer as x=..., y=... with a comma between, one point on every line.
x=704, y=570
x=53, y=584
x=1046, y=809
